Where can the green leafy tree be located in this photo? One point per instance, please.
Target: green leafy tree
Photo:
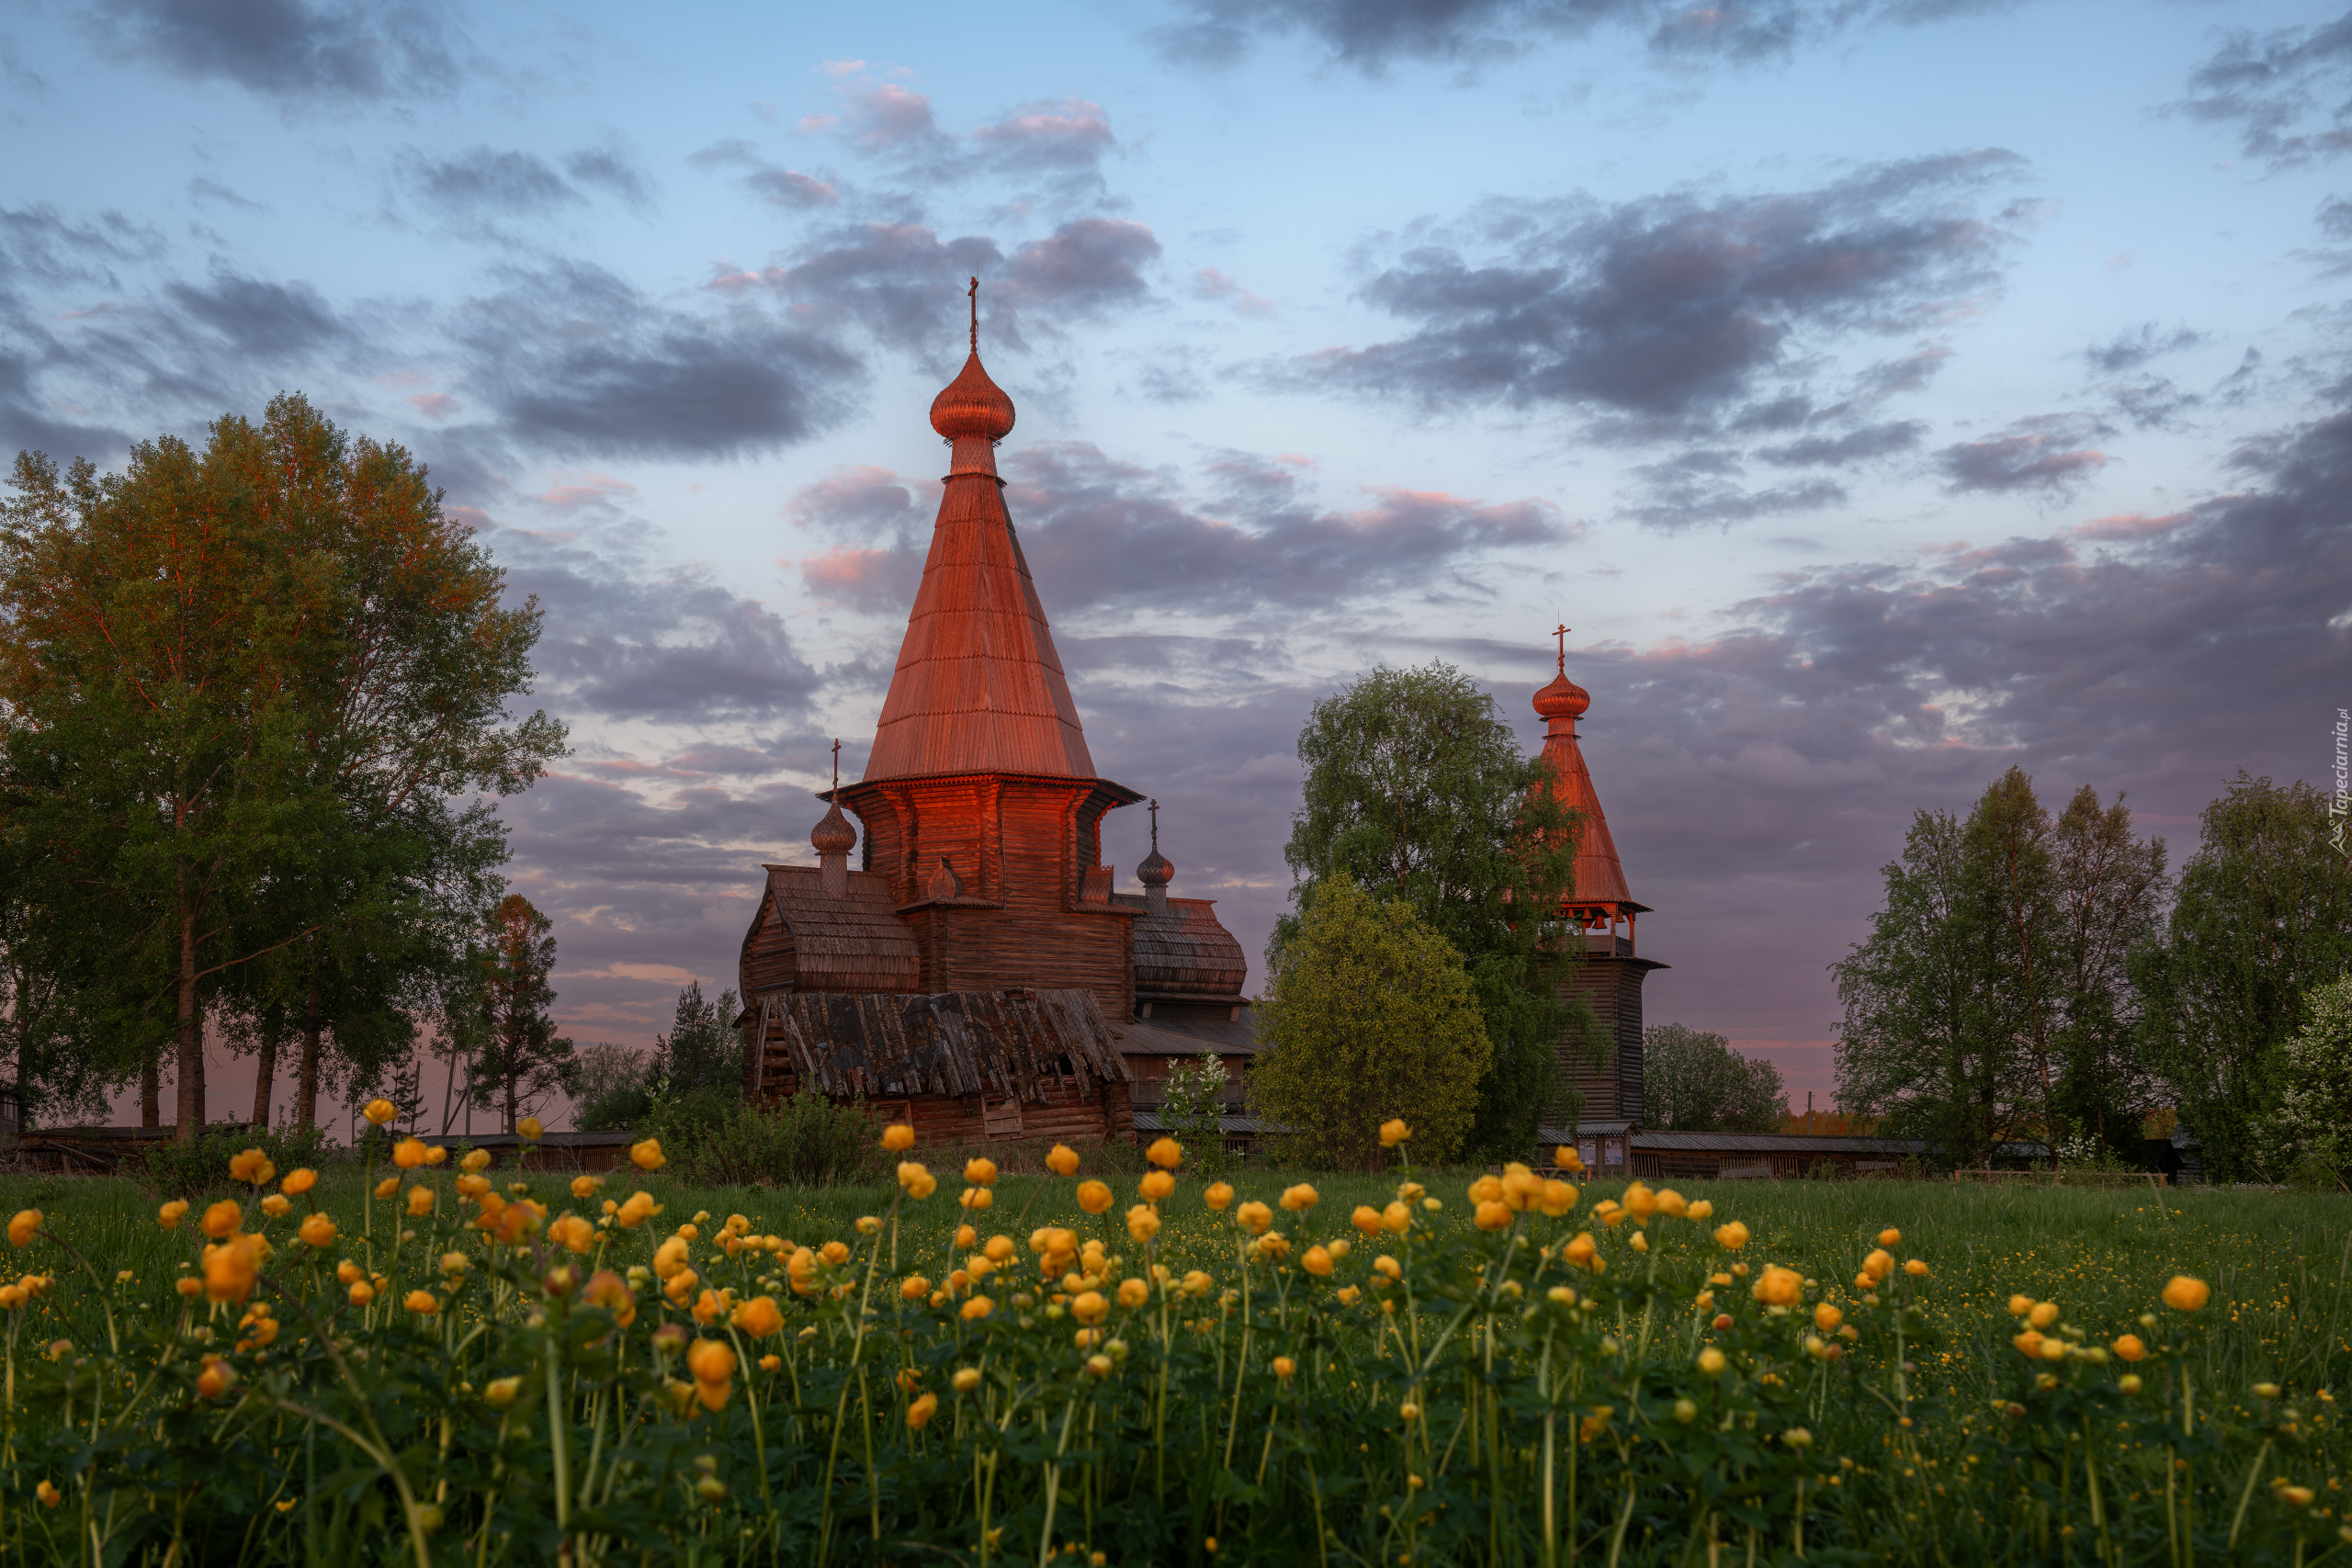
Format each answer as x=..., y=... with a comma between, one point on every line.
x=1692, y=1081
x=1417, y=791
x=2262, y=918
x=1992, y=1000
x=2313, y=1124
x=1368, y=1014
x=247, y=692
x=521, y=1061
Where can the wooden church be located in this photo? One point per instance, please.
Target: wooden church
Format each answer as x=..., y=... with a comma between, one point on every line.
x=977, y=972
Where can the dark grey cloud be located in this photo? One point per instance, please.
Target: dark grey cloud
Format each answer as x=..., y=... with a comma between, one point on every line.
x=1663, y=313
x=1369, y=36
x=577, y=360
x=277, y=322
x=906, y=286
x=2043, y=452
x=1864, y=444
x=298, y=52
x=2135, y=346
x=2286, y=94
x=1702, y=488
x=478, y=192
x=202, y=190
x=1105, y=536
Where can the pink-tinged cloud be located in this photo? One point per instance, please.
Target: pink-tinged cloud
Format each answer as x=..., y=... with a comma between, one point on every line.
x=1214, y=286
x=434, y=405
x=2130, y=525
x=861, y=578
x=2037, y=454
x=838, y=69
x=887, y=116
x=790, y=188
x=1072, y=133
x=586, y=490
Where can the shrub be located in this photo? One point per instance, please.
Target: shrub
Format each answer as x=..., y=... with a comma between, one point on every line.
x=186, y=1170
x=716, y=1137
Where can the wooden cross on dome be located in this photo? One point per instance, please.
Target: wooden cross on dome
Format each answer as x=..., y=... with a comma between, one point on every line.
x=975, y=292
x=1155, y=826
x=1562, y=633
x=837, y=764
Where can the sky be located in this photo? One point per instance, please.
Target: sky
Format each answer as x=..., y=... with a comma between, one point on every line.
x=1886, y=393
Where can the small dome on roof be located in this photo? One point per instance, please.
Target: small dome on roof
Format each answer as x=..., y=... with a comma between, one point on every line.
x=972, y=405
x=833, y=836
x=1157, y=870
x=1562, y=699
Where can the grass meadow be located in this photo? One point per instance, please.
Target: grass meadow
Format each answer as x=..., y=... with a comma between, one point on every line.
x=1175, y=1387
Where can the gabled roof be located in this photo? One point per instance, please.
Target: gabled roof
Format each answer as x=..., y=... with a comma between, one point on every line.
x=1009, y=1043
x=852, y=941
x=978, y=687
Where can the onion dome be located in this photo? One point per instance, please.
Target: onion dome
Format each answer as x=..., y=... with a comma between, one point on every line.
x=1157, y=870
x=972, y=405
x=1563, y=698
x=833, y=836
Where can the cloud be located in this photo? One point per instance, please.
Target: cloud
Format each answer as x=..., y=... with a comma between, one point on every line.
x=1369, y=37
x=575, y=359
x=1700, y=488
x=298, y=52
x=1216, y=286
x=2035, y=454
x=2135, y=346
x=2288, y=93
x=202, y=190
x=1085, y=267
x=1663, y=313
x=773, y=183
x=1861, y=445
x=1056, y=135
x=887, y=118
x=477, y=191
x=279, y=322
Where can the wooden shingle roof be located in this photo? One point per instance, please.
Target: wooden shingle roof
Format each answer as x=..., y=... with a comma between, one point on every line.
x=1186, y=952
x=1011, y=1043
x=854, y=940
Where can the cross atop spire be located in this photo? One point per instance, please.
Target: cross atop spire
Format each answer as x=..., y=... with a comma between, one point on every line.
x=1561, y=631
x=1155, y=826
x=975, y=292
x=837, y=763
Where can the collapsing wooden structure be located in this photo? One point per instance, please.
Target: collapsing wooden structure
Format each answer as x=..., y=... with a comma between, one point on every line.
x=960, y=1066
x=977, y=970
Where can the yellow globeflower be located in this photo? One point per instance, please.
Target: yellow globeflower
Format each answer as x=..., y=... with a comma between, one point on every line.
x=531, y=1127
x=408, y=1153
x=423, y=1302
x=22, y=1229
x=1256, y=1216
x=1640, y=1201
x=1062, y=1160
x=1730, y=1238
x=1492, y=1215
x=980, y=1172
x=1890, y=1236
x=1218, y=1196
x=171, y=1213
x=1711, y=1361
x=1090, y=1307
x=380, y=1112
x=223, y=1219
x=387, y=1188
x=577, y=1235
x=2183, y=1293
x=501, y=1393
x=913, y=1288
x=1826, y=1318
x=976, y=1308
x=1878, y=1264
x=1165, y=1153
x=1143, y=1223
x=475, y=1162
x=251, y=1166
x=2020, y=1305
x=298, y=1181
x=1393, y=1133
x=48, y=1493
x=1094, y=1197
x=1555, y=1200
x=214, y=1379
x=277, y=1205
x=2041, y=1314
x=647, y=1155
x=1156, y=1185
x=585, y=1186
x=1672, y=1203
x=2129, y=1347
x=1916, y=1268
x=1300, y=1199
x=1700, y=1209
x=1134, y=1293
x=230, y=1270
x=1317, y=1261
x=1366, y=1219
x=1778, y=1286
x=1567, y=1159
x=920, y=1413
x=419, y=1202
x=1396, y=1219
x=898, y=1137
x=639, y=1208
x=966, y=1380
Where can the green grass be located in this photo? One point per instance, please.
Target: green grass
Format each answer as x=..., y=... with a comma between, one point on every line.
x=1195, y=1438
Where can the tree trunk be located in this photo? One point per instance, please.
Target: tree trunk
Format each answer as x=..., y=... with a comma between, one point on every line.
x=191, y=1039
x=265, y=1078
x=306, y=1095
x=150, y=1093
x=449, y=1091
